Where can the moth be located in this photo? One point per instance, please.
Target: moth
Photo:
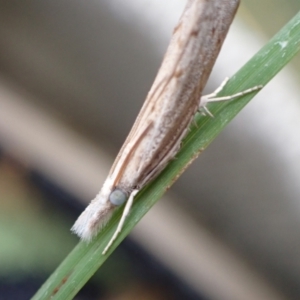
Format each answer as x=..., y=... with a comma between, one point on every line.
x=170, y=106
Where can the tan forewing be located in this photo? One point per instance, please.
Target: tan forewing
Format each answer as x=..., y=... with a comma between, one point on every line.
x=174, y=97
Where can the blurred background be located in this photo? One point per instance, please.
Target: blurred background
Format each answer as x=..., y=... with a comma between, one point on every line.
x=73, y=76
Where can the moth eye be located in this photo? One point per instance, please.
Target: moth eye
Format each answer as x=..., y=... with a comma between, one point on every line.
x=117, y=197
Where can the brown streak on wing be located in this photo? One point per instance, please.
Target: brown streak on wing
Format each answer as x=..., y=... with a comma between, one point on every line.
x=131, y=152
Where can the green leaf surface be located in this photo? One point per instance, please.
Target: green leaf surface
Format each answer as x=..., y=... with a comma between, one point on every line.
x=85, y=259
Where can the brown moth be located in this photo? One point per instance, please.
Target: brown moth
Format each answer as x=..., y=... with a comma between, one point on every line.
x=166, y=115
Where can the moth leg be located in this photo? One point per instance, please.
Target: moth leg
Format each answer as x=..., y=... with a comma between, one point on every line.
x=213, y=97
x=218, y=90
x=226, y=98
x=123, y=218
x=206, y=99
x=205, y=111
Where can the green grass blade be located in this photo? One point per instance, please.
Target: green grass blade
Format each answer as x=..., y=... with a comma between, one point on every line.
x=85, y=259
